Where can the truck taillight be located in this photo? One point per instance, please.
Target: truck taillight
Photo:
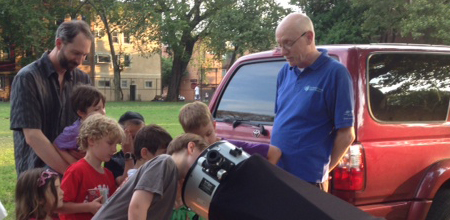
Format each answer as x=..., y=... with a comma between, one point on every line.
x=350, y=173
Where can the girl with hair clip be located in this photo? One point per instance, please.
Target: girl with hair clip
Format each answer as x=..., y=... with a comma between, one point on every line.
x=38, y=194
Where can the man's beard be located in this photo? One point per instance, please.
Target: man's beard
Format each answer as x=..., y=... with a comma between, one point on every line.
x=65, y=63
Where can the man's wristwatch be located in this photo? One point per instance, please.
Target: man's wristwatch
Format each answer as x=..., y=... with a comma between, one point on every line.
x=128, y=156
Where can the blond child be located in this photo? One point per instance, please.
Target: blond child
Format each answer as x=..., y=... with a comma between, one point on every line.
x=196, y=118
x=85, y=100
x=38, y=194
x=151, y=192
x=86, y=182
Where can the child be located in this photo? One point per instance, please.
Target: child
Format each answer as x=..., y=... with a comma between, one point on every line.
x=151, y=192
x=86, y=182
x=123, y=160
x=38, y=194
x=150, y=141
x=85, y=100
x=196, y=118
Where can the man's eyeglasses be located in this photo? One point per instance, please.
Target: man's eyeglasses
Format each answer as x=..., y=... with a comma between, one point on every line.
x=47, y=174
x=289, y=45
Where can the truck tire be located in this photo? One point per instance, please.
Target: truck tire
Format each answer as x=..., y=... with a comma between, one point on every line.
x=440, y=208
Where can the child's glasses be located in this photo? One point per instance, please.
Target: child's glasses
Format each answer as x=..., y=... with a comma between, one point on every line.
x=44, y=176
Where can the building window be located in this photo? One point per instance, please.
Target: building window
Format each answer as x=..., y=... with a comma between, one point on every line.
x=148, y=84
x=126, y=38
x=103, y=58
x=86, y=60
x=124, y=83
x=124, y=60
x=4, y=55
x=115, y=36
x=104, y=83
x=99, y=33
x=127, y=60
x=2, y=82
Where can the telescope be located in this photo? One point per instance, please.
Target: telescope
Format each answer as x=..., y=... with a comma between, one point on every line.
x=226, y=183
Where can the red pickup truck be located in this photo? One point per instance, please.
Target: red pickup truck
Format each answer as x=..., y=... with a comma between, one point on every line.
x=399, y=165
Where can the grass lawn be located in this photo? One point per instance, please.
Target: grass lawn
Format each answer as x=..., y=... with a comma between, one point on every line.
x=160, y=113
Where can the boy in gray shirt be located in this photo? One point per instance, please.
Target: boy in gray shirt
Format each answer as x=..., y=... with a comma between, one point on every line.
x=152, y=191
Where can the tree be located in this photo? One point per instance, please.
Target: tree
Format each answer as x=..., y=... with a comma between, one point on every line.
x=335, y=22
x=381, y=19
x=178, y=24
x=166, y=71
x=246, y=26
x=108, y=11
x=29, y=26
x=428, y=19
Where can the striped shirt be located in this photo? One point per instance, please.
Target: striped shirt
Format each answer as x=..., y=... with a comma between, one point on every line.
x=38, y=103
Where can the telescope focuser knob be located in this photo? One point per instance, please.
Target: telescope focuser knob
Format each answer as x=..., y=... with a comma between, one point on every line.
x=236, y=151
x=221, y=174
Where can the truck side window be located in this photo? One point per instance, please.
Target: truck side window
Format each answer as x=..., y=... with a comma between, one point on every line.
x=409, y=87
x=250, y=94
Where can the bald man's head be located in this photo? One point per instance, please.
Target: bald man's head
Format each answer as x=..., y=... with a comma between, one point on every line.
x=296, y=22
x=295, y=37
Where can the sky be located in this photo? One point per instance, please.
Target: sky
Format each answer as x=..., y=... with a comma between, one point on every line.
x=285, y=3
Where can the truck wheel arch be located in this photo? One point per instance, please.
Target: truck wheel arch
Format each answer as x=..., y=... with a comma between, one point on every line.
x=436, y=177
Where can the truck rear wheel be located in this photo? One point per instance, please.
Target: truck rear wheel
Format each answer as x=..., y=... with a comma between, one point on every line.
x=440, y=208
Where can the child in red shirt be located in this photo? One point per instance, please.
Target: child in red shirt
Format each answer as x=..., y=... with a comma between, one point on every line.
x=86, y=183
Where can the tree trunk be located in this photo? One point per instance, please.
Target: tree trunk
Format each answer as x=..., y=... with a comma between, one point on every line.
x=233, y=56
x=117, y=89
x=179, y=64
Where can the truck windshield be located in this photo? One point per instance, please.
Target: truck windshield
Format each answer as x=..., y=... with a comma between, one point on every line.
x=250, y=94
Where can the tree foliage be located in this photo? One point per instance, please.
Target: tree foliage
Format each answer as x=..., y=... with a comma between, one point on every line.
x=29, y=26
x=428, y=19
x=179, y=24
x=381, y=19
x=245, y=26
x=109, y=13
x=335, y=21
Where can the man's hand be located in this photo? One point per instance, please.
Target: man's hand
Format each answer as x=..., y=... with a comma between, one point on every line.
x=128, y=142
x=344, y=138
x=77, y=154
x=45, y=149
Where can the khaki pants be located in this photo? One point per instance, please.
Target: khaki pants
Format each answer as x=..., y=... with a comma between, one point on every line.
x=323, y=186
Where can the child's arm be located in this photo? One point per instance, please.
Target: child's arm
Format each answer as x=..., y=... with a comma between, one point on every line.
x=274, y=154
x=72, y=207
x=139, y=204
x=271, y=153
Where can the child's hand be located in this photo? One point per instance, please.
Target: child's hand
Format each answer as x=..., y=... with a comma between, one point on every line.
x=95, y=205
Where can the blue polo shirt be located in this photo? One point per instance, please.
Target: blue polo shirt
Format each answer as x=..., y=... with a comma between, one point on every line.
x=311, y=105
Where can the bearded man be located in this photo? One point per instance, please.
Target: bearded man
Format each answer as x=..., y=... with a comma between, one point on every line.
x=40, y=98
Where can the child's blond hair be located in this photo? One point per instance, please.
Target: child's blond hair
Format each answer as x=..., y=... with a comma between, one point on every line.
x=181, y=142
x=96, y=127
x=194, y=115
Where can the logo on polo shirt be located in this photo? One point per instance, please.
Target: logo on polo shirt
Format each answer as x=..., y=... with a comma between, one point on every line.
x=312, y=89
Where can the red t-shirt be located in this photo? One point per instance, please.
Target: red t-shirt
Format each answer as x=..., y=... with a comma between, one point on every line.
x=79, y=184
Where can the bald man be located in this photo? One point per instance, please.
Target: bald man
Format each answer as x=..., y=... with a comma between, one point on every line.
x=314, y=104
